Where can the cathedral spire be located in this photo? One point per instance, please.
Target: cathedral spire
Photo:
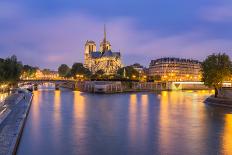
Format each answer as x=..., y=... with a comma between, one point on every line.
x=104, y=33
x=104, y=40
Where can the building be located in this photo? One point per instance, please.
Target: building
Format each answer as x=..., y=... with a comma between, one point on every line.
x=46, y=74
x=104, y=59
x=176, y=69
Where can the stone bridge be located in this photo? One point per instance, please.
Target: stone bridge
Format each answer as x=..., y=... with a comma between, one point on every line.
x=72, y=84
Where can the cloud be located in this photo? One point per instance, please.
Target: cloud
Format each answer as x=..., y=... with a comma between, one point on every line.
x=50, y=41
x=219, y=13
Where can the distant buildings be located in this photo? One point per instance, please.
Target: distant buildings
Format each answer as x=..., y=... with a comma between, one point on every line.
x=176, y=69
x=46, y=74
x=104, y=59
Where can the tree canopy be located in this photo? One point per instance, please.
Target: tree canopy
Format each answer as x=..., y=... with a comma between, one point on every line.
x=216, y=69
x=79, y=69
x=128, y=72
x=63, y=70
x=10, y=70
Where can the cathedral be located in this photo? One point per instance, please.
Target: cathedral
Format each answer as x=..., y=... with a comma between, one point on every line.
x=104, y=59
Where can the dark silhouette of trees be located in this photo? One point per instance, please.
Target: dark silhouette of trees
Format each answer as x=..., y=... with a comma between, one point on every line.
x=10, y=70
x=63, y=70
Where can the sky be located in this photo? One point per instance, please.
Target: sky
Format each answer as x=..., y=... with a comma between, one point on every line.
x=47, y=33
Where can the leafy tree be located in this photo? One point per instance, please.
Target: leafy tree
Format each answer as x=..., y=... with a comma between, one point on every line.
x=1, y=70
x=63, y=70
x=128, y=72
x=10, y=70
x=216, y=69
x=79, y=69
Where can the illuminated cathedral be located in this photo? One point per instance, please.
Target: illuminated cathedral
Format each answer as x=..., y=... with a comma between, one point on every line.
x=104, y=59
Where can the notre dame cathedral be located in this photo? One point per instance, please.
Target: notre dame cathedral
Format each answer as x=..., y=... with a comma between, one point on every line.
x=104, y=59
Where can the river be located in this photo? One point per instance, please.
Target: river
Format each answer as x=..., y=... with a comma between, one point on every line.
x=165, y=123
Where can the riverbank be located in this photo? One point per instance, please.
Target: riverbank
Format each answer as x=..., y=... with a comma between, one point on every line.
x=219, y=102
x=17, y=107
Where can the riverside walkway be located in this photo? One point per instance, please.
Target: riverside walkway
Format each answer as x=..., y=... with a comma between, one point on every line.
x=11, y=125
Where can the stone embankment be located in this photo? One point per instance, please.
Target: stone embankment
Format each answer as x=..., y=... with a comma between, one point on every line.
x=13, y=115
x=219, y=101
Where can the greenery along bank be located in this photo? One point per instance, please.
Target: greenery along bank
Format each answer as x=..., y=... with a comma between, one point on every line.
x=10, y=71
x=216, y=69
x=78, y=71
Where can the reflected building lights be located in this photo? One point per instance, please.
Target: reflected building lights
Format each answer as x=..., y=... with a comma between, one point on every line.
x=35, y=112
x=79, y=116
x=227, y=135
x=57, y=100
x=144, y=115
x=133, y=118
x=164, y=121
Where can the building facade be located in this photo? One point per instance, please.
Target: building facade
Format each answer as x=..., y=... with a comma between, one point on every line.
x=104, y=59
x=176, y=69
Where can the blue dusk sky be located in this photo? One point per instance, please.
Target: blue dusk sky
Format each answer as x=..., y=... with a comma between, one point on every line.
x=46, y=33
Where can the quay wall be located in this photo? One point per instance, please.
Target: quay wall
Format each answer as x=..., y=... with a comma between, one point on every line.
x=16, y=140
x=11, y=128
x=224, y=98
x=118, y=86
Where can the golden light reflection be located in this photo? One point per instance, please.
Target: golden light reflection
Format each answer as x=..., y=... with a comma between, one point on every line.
x=35, y=112
x=189, y=109
x=79, y=117
x=164, y=120
x=57, y=115
x=227, y=135
x=132, y=118
x=144, y=115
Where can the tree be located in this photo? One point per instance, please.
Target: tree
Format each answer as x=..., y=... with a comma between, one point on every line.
x=79, y=69
x=63, y=70
x=1, y=70
x=128, y=72
x=216, y=69
x=12, y=69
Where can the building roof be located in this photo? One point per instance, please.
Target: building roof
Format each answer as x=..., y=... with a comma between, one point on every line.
x=90, y=42
x=109, y=53
x=174, y=60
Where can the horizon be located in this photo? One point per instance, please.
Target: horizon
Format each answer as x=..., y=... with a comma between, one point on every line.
x=49, y=33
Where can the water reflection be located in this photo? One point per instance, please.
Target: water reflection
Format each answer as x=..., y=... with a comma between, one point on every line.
x=57, y=111
x=164, y=122
x=34, y=111
x=79, y=116
x=144, y=119
x=66, y=122
x=227, y=135
x=133, y=118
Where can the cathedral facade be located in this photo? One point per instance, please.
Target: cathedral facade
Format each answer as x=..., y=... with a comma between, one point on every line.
x=104, y=59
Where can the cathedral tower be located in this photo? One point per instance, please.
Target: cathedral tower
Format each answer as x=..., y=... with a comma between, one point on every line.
x=90, y=46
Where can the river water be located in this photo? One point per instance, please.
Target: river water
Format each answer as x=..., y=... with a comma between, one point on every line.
x=165, y=123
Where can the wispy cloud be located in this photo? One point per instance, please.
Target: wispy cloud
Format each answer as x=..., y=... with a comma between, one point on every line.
x=218, y=13
x=50, y=41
